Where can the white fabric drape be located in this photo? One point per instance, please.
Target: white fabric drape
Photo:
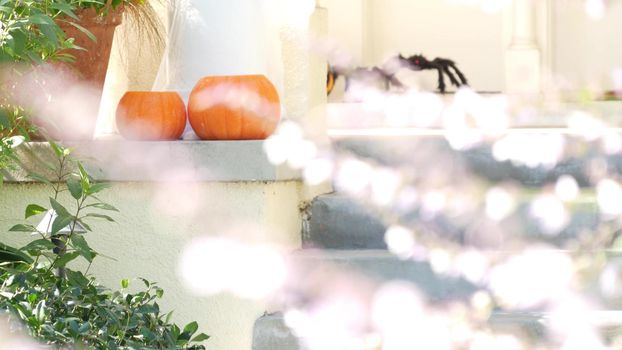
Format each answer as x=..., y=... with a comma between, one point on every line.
x=216, y=37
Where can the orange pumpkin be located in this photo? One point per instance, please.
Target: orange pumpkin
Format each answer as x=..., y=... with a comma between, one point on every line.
x=150, y=115
x=244, y=107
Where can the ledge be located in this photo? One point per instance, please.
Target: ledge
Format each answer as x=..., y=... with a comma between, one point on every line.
x=362, y=117
x=190, y=161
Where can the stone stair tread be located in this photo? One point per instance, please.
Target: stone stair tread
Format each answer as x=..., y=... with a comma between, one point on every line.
x=338, y=221
x=416, y=150
x=382, y=266
x=271, y=332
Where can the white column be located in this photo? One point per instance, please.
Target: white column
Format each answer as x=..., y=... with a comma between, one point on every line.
x=523, y=58
x=523, y=35
x=304, y=74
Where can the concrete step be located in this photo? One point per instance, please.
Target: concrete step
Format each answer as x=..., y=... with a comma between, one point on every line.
x=331, y=272
x=271, y=332
x=377, y=267
x=341, y=222
x=422, y=151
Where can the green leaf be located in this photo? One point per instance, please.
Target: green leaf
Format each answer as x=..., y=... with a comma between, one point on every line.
x=84, y=30
x=103, y=206
x=86, y=226
x=39, y=311
x=85, y=181
x=77, y=278
x=73, y=325
x=191, y=327
x=148, y=309
x=50, y=32
x=98, y=187
x=100, y=216
x=10, y=254
x=200, y=337
x=39, y=178
x=19, y=40
x=60, y=223
x=63, y=260
x=125, y=283
x=39, y=244
x=85, y=327
x=41, y=19
x=81, y=246
x=58, y=208
x=4, y=119
x=75, y=188
x=58, y=150
x=33, y=209
x=147, y=334
x=64, y=8
x=22, y=228
x=175, y=332
x=34, y=58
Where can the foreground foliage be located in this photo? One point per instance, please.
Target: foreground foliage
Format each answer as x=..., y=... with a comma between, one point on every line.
x=68, y=308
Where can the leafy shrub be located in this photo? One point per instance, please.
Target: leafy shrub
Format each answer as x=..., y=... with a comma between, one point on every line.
x=68, y=308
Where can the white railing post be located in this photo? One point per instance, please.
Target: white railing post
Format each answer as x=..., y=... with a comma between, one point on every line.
x=523, y=57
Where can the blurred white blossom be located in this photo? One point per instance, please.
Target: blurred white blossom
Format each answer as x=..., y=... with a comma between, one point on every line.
x=567, y=188
x=499, y=203
x=531, y=150
x=210, y=266
x=550, y=213
x=400, y=241
x=609, y=196
x=531, y=278
x=595, y=9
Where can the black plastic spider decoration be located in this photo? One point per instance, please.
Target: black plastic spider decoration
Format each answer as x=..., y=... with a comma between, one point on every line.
x=442, y=65
x=385, y=79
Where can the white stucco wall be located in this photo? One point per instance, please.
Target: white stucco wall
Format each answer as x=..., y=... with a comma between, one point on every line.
x=373, y=30
x=586, y=50
x=153, y=228
x=583, y=51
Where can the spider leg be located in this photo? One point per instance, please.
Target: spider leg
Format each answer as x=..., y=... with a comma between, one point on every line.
x=463, y=79
x=451, y=76
x=441, y=79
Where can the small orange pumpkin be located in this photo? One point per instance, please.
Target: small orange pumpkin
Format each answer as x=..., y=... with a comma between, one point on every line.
x=150, y=115
x=243, y=107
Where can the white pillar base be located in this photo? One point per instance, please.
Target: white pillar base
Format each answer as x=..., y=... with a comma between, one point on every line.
x=523, y=71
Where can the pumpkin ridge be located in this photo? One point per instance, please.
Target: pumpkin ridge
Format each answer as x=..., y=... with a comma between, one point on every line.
x=160, y=104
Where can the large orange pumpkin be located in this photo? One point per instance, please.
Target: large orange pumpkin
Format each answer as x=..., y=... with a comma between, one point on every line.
x=243, y=107
x=150, y=115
